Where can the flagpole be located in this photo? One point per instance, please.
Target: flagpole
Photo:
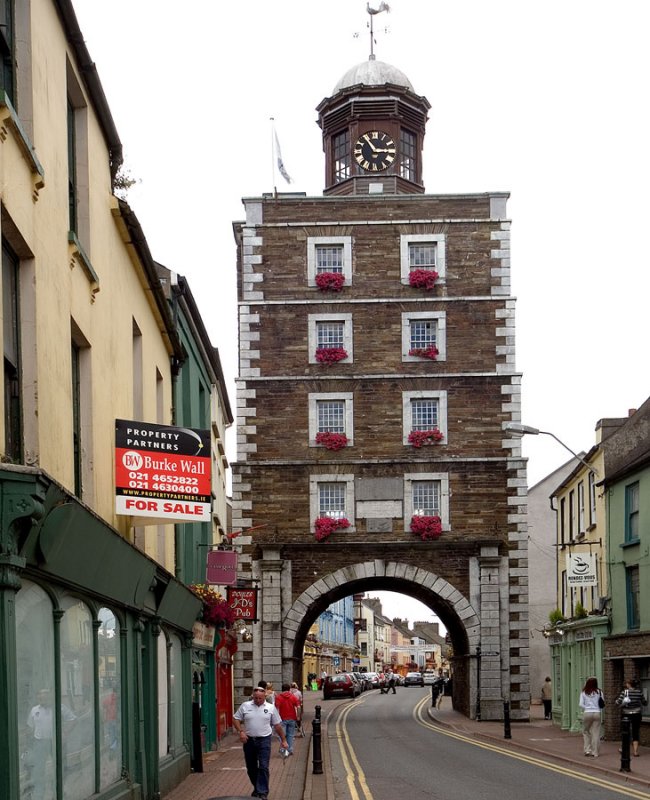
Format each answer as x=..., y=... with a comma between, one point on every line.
x=273, y=157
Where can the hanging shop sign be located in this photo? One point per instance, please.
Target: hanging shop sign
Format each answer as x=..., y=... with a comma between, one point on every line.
x=581, y=570
x=221, y=567
x=244, y=603
x=162, y=473
x=203, y=635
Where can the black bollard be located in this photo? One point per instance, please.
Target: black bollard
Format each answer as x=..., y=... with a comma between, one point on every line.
x=317, y=712
x=625, y=745
x=506, y=720
x=317, y=757
x=434, y=695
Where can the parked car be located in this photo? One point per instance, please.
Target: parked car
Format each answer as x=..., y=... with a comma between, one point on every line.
x=374, y=679
x=413, y=679
x=366, y=683
x=399, y=679
x=341, y=685
x=360, y=681
x=429, y=677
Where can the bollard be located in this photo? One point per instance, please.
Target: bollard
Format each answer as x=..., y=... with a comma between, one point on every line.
x=317, y=711
x=434, y=695
x=506, y=720
x=625, y=745
x=317, y=758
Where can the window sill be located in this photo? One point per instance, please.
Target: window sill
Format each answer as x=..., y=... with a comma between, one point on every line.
x=630, y=543
x=11, y=120
x=78, y=256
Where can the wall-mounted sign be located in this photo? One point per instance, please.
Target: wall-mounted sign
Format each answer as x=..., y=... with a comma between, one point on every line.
x=221, y=567
x=581, y=570
x=244, y=603
x=162, y=473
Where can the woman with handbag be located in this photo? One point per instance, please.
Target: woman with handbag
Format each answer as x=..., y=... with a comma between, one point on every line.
x=591, y=703
x=631, y=701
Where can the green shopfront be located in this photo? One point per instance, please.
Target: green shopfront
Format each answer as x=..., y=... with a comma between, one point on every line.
x=95, y=668
x=576, y=654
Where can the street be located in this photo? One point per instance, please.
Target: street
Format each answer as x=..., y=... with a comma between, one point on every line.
x=385, y=746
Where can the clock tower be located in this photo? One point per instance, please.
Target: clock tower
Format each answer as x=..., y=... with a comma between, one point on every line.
x=373, y=132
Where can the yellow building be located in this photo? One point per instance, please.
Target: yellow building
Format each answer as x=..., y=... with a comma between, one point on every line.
x=91, y=627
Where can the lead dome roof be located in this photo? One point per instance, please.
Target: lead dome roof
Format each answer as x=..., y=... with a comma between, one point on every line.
x=373, y=73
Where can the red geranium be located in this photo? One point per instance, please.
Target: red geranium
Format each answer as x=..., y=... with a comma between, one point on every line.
x=427, y=528
x=425, y=352
x=325, y=527
x=332, y=441
x=330, y=355
x=216, y=610
x=419, y=438
x=423, y=278
x=330, y=281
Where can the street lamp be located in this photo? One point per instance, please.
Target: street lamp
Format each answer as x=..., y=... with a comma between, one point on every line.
x=522, y=430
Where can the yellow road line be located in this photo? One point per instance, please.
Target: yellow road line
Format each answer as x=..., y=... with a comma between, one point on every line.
x=570, y=772
x=344, y=744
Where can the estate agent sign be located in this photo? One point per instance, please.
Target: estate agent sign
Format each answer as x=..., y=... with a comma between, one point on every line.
x=162, y=472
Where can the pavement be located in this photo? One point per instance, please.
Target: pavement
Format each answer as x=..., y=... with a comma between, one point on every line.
x=224, y=775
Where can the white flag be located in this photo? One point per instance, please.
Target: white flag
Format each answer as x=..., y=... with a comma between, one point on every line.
x=278, y=153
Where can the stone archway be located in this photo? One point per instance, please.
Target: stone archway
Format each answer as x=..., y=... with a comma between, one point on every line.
x=339, y=582
x=295, y=616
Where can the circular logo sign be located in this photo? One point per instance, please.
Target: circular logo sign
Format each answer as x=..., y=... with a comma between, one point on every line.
x=132, y=460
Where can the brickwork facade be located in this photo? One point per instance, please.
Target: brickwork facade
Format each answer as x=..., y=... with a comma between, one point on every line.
x=475, y=575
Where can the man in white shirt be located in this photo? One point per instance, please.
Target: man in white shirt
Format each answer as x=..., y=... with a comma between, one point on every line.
x=255, y=720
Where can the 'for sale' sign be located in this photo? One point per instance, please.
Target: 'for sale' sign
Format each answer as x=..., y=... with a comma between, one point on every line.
x=162, y=472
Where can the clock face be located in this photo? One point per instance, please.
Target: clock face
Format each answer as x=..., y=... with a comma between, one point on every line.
x=374, y=151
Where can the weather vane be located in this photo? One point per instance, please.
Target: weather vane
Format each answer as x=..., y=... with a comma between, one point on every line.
x=373, y=12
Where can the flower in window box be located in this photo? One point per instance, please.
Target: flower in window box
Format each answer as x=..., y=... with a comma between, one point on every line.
x=431, y=351
x=330, y=355
x=325, y=527
x=427, y=528
x=420, y=438
x=330, y=281
x=216, y=611
x=423, y=278
x=332, y=441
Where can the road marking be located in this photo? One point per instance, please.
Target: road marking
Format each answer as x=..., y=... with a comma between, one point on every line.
x=569, y=771
x=351, y=775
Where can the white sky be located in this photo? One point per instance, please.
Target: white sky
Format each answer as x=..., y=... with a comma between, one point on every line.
x=545, y=100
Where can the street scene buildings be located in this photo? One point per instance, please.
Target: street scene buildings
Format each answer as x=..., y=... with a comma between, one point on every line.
x=376, y=416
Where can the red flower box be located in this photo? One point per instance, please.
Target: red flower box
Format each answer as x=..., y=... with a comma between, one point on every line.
x=332, y=441
x=330, y=281
x=420, y=438
x=423, y=278
x=427, y=528
x=325, y=527
x=330, y=355
x=431, y=352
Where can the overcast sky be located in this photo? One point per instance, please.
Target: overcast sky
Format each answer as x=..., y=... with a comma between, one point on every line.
x=545, y=100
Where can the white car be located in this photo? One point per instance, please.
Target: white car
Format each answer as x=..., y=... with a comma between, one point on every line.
x=429, y=677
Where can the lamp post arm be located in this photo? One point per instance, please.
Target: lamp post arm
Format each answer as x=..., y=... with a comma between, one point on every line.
x=575, y=455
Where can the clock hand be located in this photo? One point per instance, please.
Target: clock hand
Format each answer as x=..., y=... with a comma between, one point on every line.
x=370, y=144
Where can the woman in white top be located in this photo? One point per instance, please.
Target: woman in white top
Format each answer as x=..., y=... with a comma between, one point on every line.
x=590, y=698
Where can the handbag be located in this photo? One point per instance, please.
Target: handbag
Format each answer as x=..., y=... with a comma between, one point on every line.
x=601, y=702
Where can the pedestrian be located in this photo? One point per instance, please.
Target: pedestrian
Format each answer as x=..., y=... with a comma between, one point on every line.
x=547, y=697
x=255, y=720
x=631, y=701
x=390, y=681
x=270, y=693
x=288, y=707
x=295, y=690
x=591, y=702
